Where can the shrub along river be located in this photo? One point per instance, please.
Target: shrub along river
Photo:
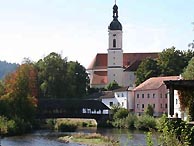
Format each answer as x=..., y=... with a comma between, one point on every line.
x=49, y=138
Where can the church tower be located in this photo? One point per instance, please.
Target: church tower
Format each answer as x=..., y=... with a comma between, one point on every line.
x=115, y=52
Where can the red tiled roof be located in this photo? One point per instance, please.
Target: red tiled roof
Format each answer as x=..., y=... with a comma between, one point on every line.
x=99, y=62
x=130, y=60
x=99, y=78
x=154, y=83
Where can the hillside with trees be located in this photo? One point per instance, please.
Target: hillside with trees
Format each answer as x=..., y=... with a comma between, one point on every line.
x=6, y=68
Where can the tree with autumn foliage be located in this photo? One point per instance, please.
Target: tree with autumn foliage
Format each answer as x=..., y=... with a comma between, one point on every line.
x=19, y=98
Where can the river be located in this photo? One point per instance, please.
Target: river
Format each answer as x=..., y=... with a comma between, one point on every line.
x=49, y=138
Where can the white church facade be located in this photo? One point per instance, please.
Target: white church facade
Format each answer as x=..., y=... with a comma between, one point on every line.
x=115, y=65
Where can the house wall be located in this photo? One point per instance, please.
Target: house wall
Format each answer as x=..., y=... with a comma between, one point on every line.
x=107, y=101
x=157, y=98
x=122, y=98
x=128, y=79
x=131, y=101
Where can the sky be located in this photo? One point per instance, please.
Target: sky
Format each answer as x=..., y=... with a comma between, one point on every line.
x=78, y=29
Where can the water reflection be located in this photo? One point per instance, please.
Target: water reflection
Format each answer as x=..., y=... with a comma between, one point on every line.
x=49, y=138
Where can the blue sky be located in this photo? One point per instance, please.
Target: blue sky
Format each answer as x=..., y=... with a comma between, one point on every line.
x=78, y=29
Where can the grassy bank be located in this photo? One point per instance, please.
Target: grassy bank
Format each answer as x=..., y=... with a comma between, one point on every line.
x=69, y=124
x=90, y=139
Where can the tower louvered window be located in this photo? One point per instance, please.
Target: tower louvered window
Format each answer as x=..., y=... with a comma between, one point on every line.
x=114, y=43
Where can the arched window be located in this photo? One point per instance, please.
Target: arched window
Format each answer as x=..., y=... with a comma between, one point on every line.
x=114, y=43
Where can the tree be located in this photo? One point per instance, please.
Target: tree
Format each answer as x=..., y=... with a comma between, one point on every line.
x=112, y=86
x=58, y=78
x=171, y=62
x=147, y=68
x=78, y=80
x=21, y=92
x=52, y=72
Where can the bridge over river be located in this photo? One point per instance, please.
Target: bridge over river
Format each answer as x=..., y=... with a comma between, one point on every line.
x=75, y=108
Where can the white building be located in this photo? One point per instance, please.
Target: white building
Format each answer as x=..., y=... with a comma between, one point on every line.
x=123, y=97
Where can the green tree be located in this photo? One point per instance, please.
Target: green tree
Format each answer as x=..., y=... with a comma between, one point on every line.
x=112, y=86
x=171, y=62
x=78, y=80
x=52, y=80
x=148, y=68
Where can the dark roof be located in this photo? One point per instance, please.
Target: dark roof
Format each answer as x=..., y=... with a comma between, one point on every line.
x=180, y=84
x=115, y=25
x=121, y=89
x=70, y=104
x=107, y=94
x=133, y=66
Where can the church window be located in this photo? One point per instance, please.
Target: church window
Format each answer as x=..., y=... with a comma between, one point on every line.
x=114, y=43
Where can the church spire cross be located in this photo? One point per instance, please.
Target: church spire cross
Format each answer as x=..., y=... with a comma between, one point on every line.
x=115, y=11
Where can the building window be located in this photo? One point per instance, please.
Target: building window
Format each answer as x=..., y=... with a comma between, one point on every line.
x=142, y=105
x=122, y=103
x=166, y=95
x=176, y=101
x=118, y=95
x=153, y=95
x=137, y=95
x=148, y=95
x=161, y=95
x=166, y=106
x=137, y=105
x=111, y=103
x=122, y=95
x=114, y=43
x=142, y=95
x=153, y=105
x=161, y=105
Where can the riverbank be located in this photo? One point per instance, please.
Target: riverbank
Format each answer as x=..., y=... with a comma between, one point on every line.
x=93, y=139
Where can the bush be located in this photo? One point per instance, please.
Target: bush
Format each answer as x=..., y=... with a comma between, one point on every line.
x=130, y=121
x=145, y=122
x=65, y=126
x=175, y=132
x=121, y=113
